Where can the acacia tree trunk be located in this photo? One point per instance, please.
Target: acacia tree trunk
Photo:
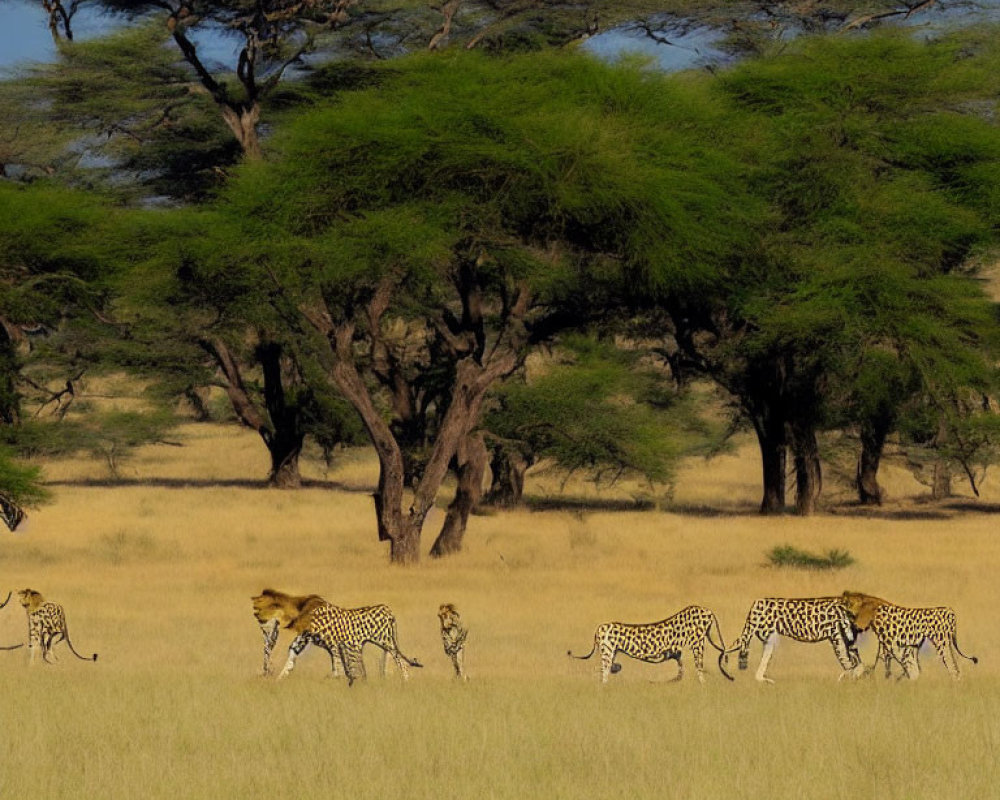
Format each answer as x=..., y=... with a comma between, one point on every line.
x=286, y=436
x=285, y=451
x=941, y=480
x=808, y=472
x=10, y=366
x=403, y=528
x=241, y=117
x=280, y=428
x=508, y=468
x=474, y=374
x=242, y=120
x=471, y=460
x=58, y=14
x=772, y=439
x=873, y=435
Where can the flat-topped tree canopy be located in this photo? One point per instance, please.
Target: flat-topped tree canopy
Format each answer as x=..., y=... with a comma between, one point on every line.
x=421, y=237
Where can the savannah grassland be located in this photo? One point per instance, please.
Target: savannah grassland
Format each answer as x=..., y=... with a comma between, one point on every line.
x=156, y=577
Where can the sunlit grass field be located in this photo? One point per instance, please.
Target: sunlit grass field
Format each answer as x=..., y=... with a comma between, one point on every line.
x=156, y=576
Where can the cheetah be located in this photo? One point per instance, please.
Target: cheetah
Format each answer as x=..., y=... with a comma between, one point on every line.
x=342, y=632
x=275, y=610
x=658, y=642
x=46, y=626
x=904, y=629
x=803, y=619
x=453, y=636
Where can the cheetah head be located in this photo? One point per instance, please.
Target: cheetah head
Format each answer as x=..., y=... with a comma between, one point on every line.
x=861, y=608
x=448, y=615
x=30, y=599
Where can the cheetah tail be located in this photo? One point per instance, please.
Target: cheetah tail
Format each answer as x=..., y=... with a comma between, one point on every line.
x=583, y=658
x=411, y=661
x=5, y=601
x=954, y=641
x=721, y=646
x=12, y=646
x=82, y=658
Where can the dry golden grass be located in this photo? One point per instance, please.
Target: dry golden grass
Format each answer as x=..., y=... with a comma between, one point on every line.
x=157, y=578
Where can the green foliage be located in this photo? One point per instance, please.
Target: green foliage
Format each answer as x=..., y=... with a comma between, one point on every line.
x=882, y=196
x=110, y=435
x=599, y=409
x=789, y=556
x=95, y=114
x=59, y=252
x=52, y=252
x=20, y=482
x=466, y=153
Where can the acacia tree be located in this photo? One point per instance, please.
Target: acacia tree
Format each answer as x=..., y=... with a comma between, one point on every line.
x=92, y=117
x=865, y=245
x=185, y=336
x=466, y=198
x=56, y=259
x=273, y=35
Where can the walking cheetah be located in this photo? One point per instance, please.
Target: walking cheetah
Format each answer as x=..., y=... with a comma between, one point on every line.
x=657, y=642
x=453, y=636
x=46, y=626
x=814, y=619
x=904, y=630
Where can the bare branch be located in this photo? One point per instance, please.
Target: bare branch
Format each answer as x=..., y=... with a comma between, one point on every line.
x=448, y=11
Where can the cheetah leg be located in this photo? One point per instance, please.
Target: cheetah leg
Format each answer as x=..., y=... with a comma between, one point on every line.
x=886, y=653
x=336, y=659
x=698, y=651
x=354, y=664
x=295, y=649
x=48, y=653
x=34, y=641
x=943, y=646
x=911, y=663
x=765, y=658
x=458, y=660
x=607, y=663
x=269, y=630
x=848, y=658
x=680, y=670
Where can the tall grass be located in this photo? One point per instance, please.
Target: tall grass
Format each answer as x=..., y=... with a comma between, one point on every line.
x=157, y=578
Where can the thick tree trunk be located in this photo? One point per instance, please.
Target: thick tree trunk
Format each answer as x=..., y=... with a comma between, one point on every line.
x=285, y=451
x=507, y=483
x=242, y=121
x=808, y=472
x=773, y=450
x=401, y=530
x=10, y=366
x=285, y=435
x=941, y=480
x=471, y=457
x=474, y=374
x=873, y=436
x=281, y=428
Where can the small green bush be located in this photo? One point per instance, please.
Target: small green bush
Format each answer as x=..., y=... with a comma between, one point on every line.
x=787, y=556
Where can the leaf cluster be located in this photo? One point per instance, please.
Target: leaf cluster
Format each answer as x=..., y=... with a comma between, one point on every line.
x=601, y=409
